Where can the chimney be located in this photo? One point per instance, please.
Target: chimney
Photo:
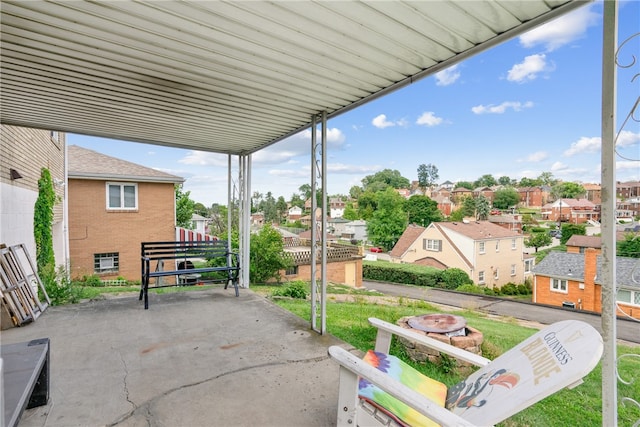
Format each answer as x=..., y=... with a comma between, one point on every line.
x=590, y=266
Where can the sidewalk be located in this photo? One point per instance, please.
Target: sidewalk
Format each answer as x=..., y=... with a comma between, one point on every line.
x=198, y=358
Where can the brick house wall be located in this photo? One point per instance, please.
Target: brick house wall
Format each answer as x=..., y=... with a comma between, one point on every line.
x=585, y=294
x=345, y=272
x=95, y=230
x=27, y=151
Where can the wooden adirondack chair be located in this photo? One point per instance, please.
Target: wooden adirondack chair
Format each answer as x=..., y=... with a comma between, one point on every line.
x=382, y=390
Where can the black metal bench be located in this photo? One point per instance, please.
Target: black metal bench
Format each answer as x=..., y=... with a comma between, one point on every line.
x=180, y=256
x=25, y=378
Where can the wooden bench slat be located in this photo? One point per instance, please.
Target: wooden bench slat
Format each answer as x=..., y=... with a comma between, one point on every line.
x=183, y=250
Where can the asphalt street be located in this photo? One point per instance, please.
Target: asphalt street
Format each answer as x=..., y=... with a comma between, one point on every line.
x=627, y=330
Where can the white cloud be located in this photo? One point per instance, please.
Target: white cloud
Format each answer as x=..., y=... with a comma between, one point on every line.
x=561, y=31
x=558, y=166
x=538, y=156
x=628, y=138
x=500, y=109
x=528, y=69
x=584, y=145
x=627, y=165
x=201, y=158
x=448, y=76
x=381, y=122
x=428, y=118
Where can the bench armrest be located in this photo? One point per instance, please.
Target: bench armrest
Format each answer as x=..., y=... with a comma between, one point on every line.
x=386, y=330
x=352, y=367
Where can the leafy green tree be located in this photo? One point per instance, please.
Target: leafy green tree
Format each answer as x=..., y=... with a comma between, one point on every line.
x=184, y=207
x=546, y=178
x=468, y=207
x=505, y=198
x=367, y=204
x=267, y=256
x=465, y=184
x=388, y=221
x=383, y=179
x=568, y=190
x=538, y=240
x=630, y=246
x=200, y=209
x=427, y=175
x=483, y=207
x=296, y=200
x=505, y=180
x=486, y=180
x=422, y=210
x=305, y=189
x=350, y=213
x=281, y=208
x=457, y=215
x=355, y=192
x=269, y=208
x=529, y=182
x=569, y=230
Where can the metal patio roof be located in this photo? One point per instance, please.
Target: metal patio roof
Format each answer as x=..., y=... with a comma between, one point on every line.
x=231, y=77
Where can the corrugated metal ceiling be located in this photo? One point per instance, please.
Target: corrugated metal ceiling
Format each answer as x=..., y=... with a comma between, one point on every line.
x=231, y=77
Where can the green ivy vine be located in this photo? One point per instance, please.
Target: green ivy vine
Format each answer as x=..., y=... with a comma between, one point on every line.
x=43, y=221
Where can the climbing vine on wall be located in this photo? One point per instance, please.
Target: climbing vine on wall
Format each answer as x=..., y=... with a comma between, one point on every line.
x=43, y=221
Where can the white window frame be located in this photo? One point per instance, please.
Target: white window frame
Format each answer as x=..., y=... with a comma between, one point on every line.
x=513, y=269
x=496, y=274
x=122, y=185
x=528, y=265
x=481, y=276
x=434, y=245
x=514, y=245
x=106, y=262
x=481, y=247
x=557, y=285
x=497, y=245
x=634, y=297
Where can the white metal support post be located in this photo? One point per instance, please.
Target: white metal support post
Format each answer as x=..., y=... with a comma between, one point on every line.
x=323, y=237
x=315, y=298
x=319, y=291
x=244, y=205
x=608, y=220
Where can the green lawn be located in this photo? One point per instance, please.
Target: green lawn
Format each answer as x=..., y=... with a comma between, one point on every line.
x=578, y=407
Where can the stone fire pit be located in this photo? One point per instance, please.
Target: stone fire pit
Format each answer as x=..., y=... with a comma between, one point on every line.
x=447, y=328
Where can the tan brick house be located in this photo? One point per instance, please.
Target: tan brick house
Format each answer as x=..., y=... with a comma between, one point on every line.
x=572, y=280
x=114, y=205
x=491, y=255
x=23, y=153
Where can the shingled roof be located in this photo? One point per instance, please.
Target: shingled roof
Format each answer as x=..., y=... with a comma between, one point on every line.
x=89, y=164
x=570, y=266
x=477, y=230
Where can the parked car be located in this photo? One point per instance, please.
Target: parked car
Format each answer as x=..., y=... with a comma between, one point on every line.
x=555, y=233
x=375, y=249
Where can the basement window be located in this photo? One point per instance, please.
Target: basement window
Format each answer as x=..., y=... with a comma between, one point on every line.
x=106, y=263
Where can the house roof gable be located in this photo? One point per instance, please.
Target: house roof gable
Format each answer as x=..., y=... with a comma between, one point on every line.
x=479, y=230
x=89, y=164
x=408, y=237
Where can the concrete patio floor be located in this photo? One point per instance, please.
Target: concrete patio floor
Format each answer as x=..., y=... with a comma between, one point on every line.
x=198, y=358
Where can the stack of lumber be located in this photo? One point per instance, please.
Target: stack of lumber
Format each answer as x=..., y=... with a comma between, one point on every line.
x=21, y=289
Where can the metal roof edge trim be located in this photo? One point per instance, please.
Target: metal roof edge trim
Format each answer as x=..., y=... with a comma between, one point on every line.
x=128, y=178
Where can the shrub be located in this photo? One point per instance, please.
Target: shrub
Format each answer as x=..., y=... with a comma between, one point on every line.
x=58, y=286
x=401, y=273
x=470, y=289
x=509, y=289
x=297, y=289
x=452, y=278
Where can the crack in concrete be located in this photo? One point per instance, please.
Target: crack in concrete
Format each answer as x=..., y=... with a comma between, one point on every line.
x=146, y=406
x=124, y=380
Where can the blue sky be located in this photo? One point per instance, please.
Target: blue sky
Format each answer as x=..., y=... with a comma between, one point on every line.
x=528, y=106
